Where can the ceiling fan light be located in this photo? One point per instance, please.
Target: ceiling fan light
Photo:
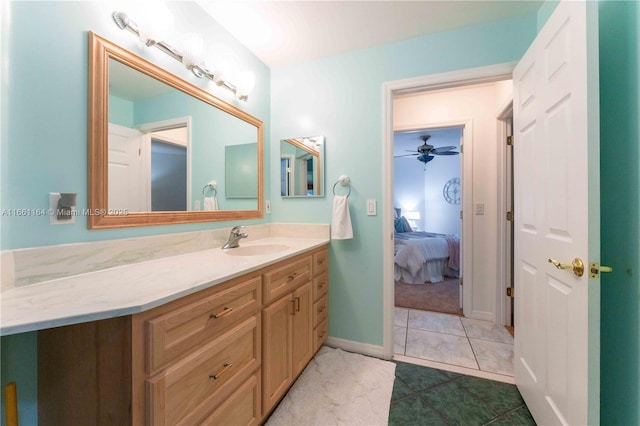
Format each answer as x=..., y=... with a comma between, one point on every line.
x=425, y=158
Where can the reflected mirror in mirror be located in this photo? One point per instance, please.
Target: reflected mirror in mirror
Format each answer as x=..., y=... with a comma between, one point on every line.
x=302, y=167
x=165, y=139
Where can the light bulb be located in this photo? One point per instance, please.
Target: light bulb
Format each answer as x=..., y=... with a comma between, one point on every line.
x=191, y=46
x=245, y=83
x=155, y=24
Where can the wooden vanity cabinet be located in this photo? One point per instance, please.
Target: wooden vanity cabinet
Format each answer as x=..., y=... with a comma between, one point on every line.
x=289, y=324
x=178, y=363
x=223, y=356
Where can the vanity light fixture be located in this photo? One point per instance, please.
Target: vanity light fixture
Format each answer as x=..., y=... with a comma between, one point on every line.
x=190, y=57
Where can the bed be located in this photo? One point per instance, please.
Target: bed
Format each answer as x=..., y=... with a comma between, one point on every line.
x=425, y=257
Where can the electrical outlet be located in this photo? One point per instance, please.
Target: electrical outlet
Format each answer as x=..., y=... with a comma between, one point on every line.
x=53, y=211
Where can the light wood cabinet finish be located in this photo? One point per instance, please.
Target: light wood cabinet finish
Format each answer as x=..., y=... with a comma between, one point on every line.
x=242, y=408
x=184, y=393
x=223, y=356
x=176, y=332
x=281, y=280
x=289, y=336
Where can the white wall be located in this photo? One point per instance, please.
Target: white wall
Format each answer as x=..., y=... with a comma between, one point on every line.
x=478, y=105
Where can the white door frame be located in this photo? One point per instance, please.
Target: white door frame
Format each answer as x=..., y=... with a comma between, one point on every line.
x=446, y=80
x=502, y=313
x=155, y=126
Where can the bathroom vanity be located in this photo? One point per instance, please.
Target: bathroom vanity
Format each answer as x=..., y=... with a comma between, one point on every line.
x=223, y=355
x=222, y=352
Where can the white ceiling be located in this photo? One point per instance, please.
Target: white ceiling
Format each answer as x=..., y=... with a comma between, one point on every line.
x=281, y=33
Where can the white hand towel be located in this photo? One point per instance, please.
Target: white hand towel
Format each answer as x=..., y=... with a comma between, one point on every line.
x=210, y=203
x=341, y=220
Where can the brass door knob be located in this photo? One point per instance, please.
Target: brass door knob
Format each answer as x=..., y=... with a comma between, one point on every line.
x=577, y=266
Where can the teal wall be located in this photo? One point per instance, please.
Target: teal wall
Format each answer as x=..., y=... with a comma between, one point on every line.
x=44, y=131
x=341, y=98
x=620, y=214
x=120, y=111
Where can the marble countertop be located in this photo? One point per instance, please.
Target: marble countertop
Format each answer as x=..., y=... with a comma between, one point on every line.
x=134, y=288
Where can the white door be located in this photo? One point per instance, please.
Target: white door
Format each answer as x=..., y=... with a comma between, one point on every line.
x=557, y=313
x=126, y=183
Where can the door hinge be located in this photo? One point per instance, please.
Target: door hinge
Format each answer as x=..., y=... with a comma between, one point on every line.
x=460, y=214
x=510, y=291
x=510, y=140
x=461, y=149
x=461, y=282
x=510, y=216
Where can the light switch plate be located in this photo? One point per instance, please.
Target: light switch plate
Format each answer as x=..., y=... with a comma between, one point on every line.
x=372, y=209
x=267, y=206
x=479, y=208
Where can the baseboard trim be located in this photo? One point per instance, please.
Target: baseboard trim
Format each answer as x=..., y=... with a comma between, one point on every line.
x=357, y=347
x=482, y=315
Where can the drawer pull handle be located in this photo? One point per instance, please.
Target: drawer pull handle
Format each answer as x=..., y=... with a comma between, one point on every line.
x=321, y=261
x=226, y=366
x=321, y=334
x=224, y=312
x=297, y=304
x=321, y=309
x=321, y=285
x=292, y=276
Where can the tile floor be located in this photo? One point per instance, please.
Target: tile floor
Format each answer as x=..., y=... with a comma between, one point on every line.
x=427, y=396
x=454, y=343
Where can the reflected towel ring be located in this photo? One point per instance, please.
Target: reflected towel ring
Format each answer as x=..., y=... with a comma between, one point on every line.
x=344, y=180
x=215, y=191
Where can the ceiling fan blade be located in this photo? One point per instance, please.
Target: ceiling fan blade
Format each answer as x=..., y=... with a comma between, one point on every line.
x=405, y=155
x=440, y=149
x=445, y=153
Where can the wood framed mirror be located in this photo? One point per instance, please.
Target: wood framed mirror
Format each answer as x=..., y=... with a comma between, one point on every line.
x=156, y=143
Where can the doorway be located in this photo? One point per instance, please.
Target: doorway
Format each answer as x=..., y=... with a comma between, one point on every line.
x=470, y=206
x=427, y=193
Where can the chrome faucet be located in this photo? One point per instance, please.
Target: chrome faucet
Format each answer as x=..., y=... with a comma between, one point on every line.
x=234, y=237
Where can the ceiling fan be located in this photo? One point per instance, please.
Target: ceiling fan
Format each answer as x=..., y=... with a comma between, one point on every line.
x=426, y=152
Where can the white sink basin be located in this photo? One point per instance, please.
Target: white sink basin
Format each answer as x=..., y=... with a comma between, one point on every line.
x=256, y=250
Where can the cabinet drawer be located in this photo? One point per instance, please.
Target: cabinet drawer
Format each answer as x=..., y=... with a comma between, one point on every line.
x=320, y=334
x=241, y=408
x=320, y=262
x=320, y=285
x=284, y=279
x=173, y=334
x=188, y=390
x=320, y=310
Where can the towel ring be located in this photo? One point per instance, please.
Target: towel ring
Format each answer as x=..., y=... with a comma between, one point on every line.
x=344, y=180
x=215, y=191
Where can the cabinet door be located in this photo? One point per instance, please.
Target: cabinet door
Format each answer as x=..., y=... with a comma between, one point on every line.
x=276, y=368
x=302, y=328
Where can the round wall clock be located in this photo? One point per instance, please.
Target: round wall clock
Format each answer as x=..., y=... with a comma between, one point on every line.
x=451, y=191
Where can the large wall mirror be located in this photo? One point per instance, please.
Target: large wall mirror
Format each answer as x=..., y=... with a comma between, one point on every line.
x=156, y=142
x=302, y=167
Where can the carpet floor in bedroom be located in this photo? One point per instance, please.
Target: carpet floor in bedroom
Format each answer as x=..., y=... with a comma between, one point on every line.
x=437, y=297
